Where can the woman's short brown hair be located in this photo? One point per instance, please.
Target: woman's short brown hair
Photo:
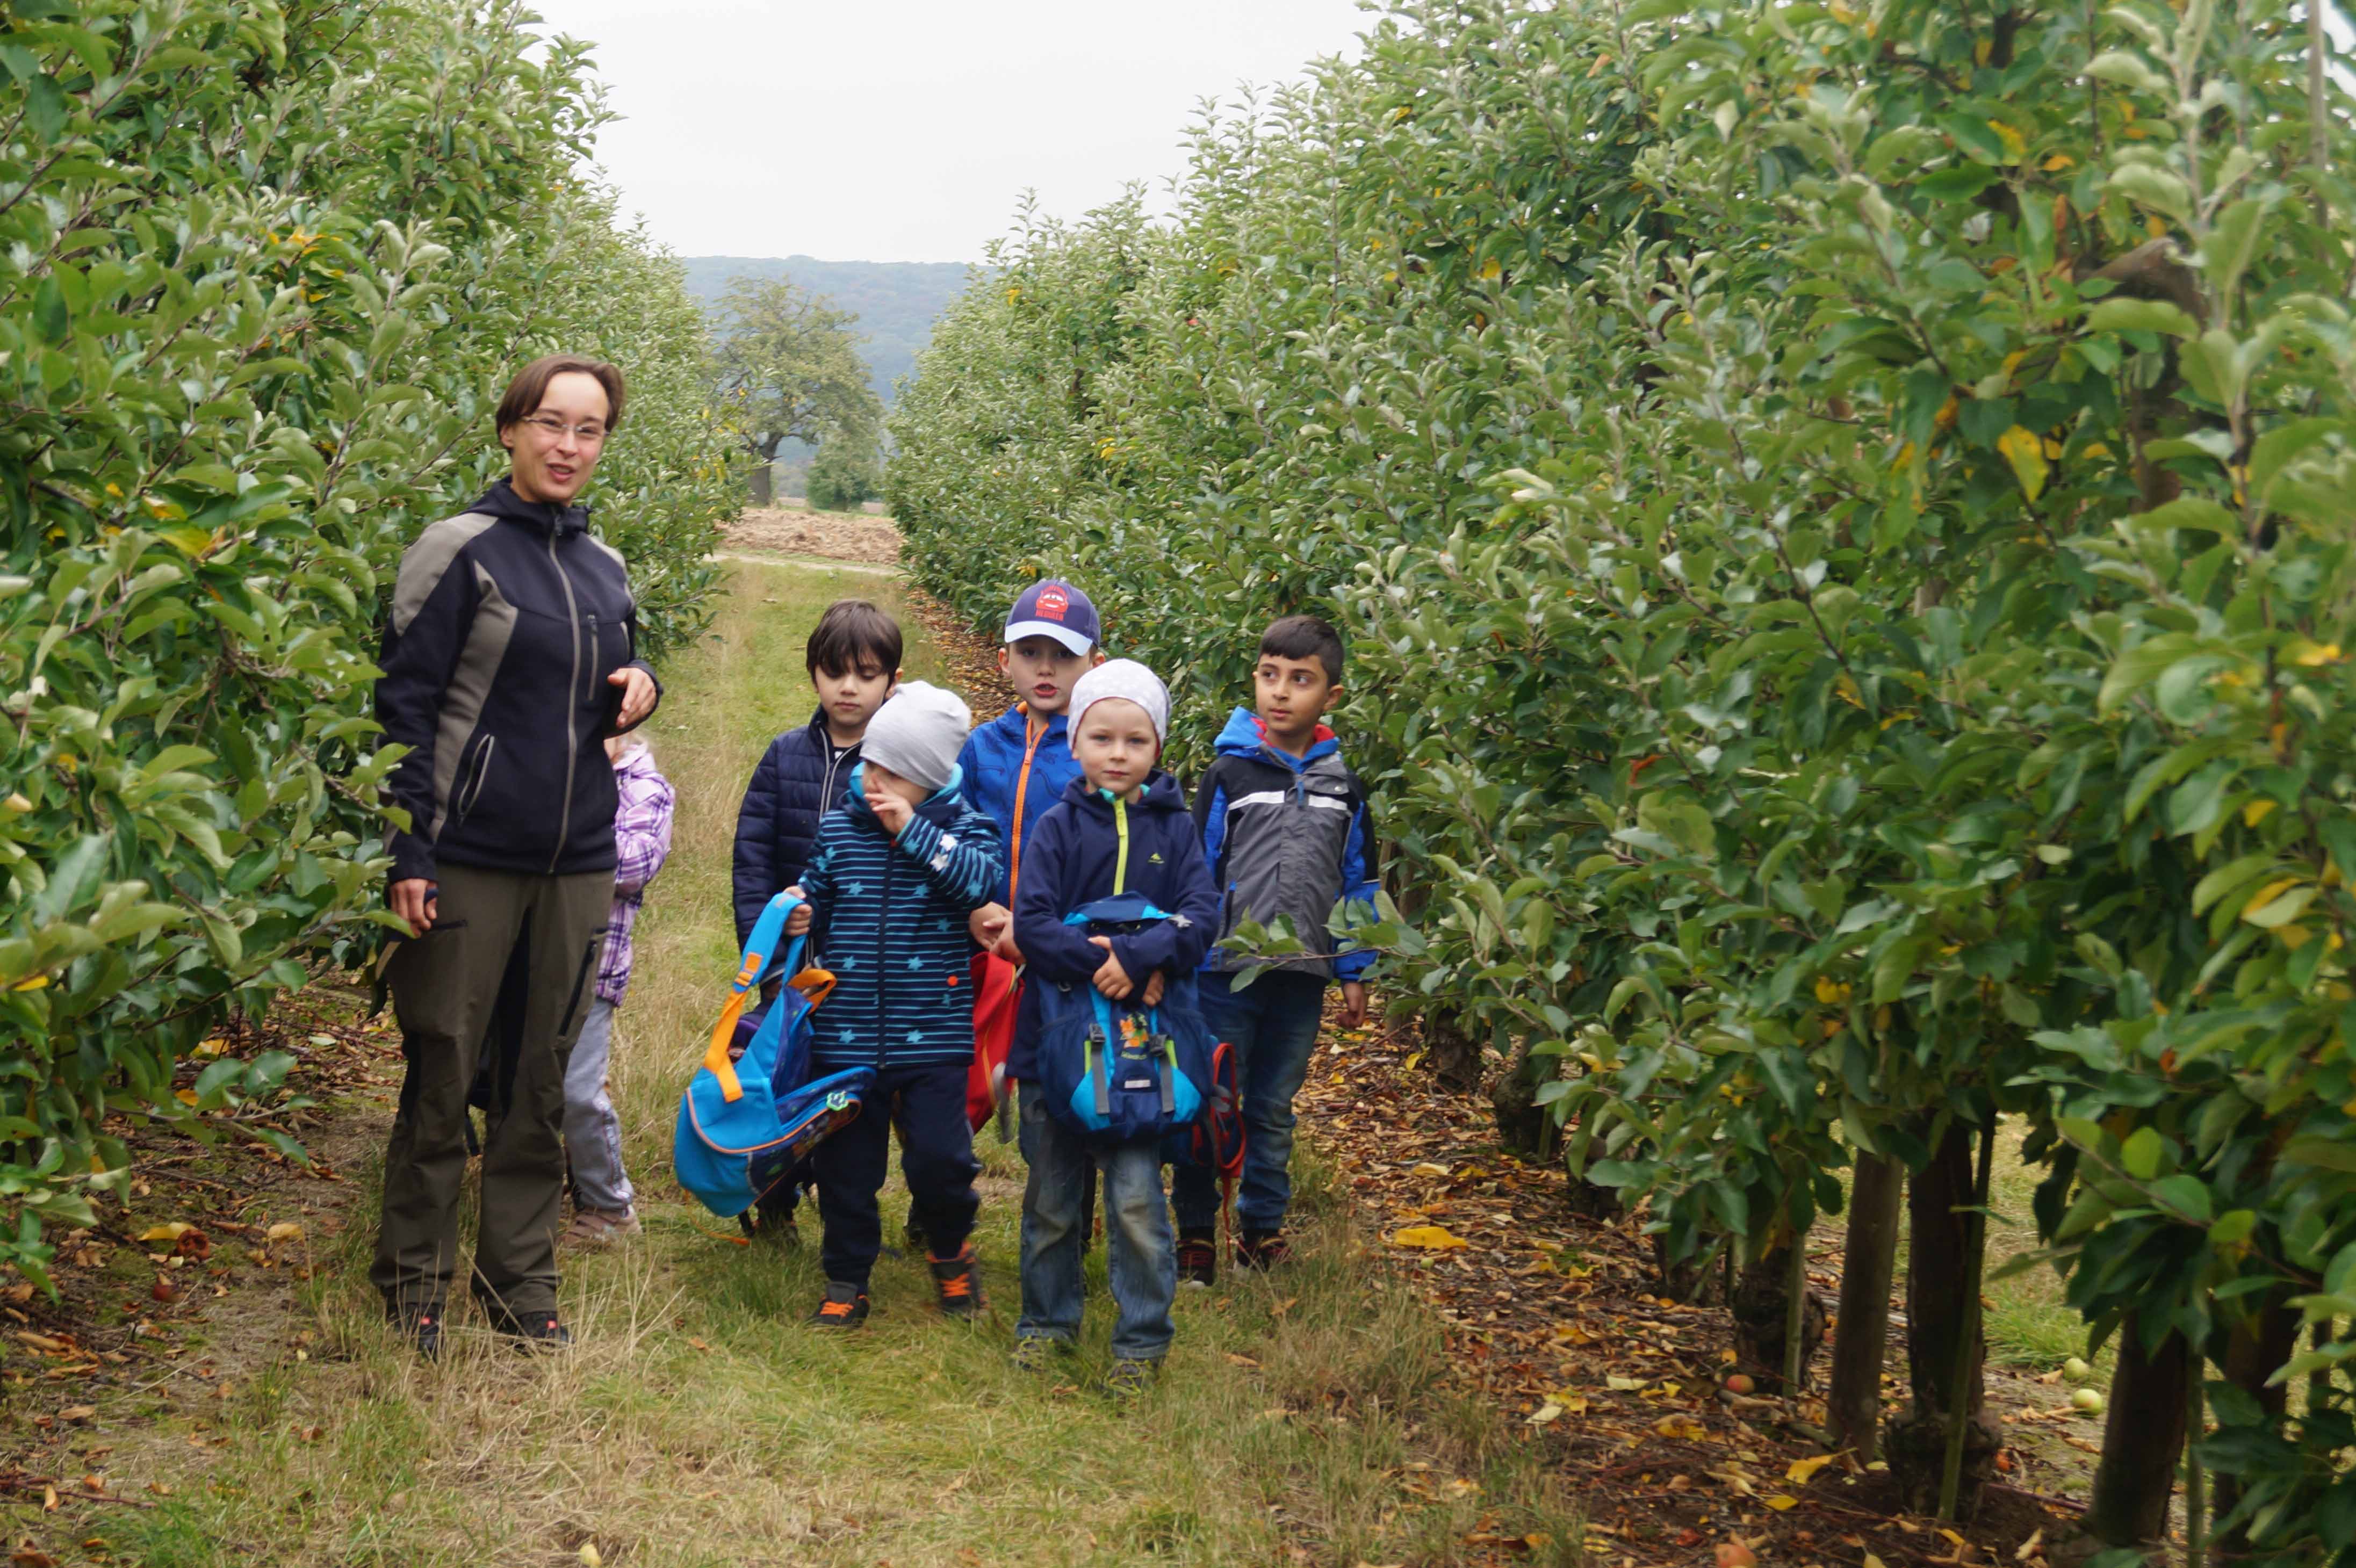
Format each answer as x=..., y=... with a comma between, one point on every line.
x=530, y=384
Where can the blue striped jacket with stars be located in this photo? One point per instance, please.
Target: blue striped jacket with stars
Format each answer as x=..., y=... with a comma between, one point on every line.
x=891, y=919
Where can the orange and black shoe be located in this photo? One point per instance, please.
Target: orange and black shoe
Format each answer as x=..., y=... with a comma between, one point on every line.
x=958, y=1281
x=1198, y=1258
x=843, y=1306
x=1263, y=1250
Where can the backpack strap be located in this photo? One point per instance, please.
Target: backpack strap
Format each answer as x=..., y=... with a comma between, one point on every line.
x=761, y=958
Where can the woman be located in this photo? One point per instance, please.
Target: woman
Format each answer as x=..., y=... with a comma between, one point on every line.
x=509, y=659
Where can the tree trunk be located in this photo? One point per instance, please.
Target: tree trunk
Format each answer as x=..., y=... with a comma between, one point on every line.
x=2142, y=1434
x=1453, y=1056
x=1521, y=1120
x=756, y=486
x=2254, y=1351
x=1938, y=1318
x=1853, y=1410
x=1763, y=1307
x=1589, y=1201
x=1693, y=1282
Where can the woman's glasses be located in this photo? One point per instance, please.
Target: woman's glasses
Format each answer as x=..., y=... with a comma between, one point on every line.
x=554, y=429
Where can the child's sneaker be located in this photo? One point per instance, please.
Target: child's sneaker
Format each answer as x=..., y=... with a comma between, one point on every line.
x=601, y=1227
x=1036, y=1352
x=913, y=1233
x=1131, y=1380
x=958, y=1281
x=1198, y=1259
x=1263, y=1250
x=842, y=1306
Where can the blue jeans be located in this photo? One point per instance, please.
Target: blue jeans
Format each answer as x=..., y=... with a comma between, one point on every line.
x=1139, y=1258
x=1272, y=1024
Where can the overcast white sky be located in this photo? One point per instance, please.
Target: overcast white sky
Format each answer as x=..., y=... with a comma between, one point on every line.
x=904, y=130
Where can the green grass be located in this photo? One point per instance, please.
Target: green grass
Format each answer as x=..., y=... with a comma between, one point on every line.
x=698, y=1422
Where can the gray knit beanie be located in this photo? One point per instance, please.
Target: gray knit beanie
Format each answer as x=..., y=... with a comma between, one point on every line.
x=918, y=733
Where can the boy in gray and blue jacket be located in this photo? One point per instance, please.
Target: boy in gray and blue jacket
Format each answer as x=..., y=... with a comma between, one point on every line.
x=898, y=867
x=1285, y=830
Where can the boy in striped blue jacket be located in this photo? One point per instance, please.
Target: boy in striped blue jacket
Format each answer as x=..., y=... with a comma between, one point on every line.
x=898, y=868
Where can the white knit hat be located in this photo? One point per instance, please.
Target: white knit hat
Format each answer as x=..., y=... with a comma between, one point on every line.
x=1129, y=680
x=918, y=733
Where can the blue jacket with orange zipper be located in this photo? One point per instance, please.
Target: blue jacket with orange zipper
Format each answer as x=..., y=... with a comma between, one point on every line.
x=1014, y=779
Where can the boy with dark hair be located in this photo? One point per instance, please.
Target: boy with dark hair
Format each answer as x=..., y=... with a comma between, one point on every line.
x=1283, y=822
x=854, y=656
x=899, y=867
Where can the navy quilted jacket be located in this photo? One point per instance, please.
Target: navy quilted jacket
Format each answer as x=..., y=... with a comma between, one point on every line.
x=891, y=919
x=776, y=827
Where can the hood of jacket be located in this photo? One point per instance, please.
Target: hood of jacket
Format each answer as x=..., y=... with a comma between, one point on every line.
x=1245, y=736
x=501, y=501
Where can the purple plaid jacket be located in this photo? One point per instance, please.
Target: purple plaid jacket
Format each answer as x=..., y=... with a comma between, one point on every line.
x=641, y=840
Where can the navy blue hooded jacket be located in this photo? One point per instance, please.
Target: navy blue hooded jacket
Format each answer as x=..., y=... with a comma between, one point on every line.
x=793, y=788
x=890, y=916
x=1076, y=854
x=505, y=620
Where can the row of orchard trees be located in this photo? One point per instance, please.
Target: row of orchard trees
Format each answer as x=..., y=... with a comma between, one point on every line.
x=268, y=265
x=1842, y=516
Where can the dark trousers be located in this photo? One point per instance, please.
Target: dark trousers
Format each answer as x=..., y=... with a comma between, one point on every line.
x=935, y=1156
x=446, y=988
x=1272, y=1023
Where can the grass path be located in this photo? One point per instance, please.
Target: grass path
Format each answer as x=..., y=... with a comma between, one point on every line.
x=1305, y=1419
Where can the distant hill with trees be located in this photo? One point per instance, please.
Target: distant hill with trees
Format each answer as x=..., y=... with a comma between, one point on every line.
x=895, y=301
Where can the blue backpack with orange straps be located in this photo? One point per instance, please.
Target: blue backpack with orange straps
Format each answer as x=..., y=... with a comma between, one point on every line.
x=748, y=1121
x=1116, y=1070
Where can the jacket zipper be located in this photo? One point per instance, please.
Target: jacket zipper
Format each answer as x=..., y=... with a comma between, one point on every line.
x=883, y=980
x=1120, y=862
x=571, y=705
x=1021, y=788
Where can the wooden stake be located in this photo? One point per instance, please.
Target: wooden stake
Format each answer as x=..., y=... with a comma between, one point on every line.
x=1796, y=1315
x=1967, y=1343
x=2194, y=1548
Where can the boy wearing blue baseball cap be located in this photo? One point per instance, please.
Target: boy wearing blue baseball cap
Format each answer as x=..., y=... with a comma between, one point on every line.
x=1017, y=765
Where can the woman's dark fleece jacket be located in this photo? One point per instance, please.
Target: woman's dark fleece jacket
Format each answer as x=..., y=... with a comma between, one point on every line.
x=1074, y=857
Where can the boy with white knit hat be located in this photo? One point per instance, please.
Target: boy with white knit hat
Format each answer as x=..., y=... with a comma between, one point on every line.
x=1121, y=828
x=898, y=867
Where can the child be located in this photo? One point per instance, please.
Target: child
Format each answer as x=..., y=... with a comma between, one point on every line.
x=603, y=1209
x=854, y=662
x=899, y=867
x=1284, y=828
x=1017, y=765
x=1123, y=828
x=854, y=656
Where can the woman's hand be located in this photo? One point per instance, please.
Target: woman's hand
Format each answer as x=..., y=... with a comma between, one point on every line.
x=637, y=694
x=413, y=899
x=1111, y=978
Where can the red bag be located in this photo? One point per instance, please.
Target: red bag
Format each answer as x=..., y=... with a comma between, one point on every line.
x=997, y=993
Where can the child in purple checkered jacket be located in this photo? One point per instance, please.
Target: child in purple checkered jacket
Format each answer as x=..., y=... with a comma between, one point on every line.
x=603, y=1204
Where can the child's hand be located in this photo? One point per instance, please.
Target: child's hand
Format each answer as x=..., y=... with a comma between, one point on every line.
x=1153, y=989
x=798, y=923
x=1006, y=948
x=1111, y=978
x=1353, y=1003
x=986, y=924
x=891, y=811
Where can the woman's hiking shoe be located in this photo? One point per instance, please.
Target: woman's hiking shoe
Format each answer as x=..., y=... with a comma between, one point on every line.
x=423, y=1329
x=1198, y=1258
x=1263, y=1250
x=536, y=1331
x=842, y=1306
x=957, y=1282
x=1131, y=1379
x=601, y=1227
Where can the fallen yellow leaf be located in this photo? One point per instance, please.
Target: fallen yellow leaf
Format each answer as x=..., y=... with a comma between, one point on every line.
x=285, y=1230
x=170, y=1233
x=1781, y=1501
x=1548, y=1412
x=1428, y=1169
x=1803, y=1471
x=1435, y=1238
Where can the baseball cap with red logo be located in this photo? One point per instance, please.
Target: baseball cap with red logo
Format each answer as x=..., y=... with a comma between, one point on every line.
x=1054, y=609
